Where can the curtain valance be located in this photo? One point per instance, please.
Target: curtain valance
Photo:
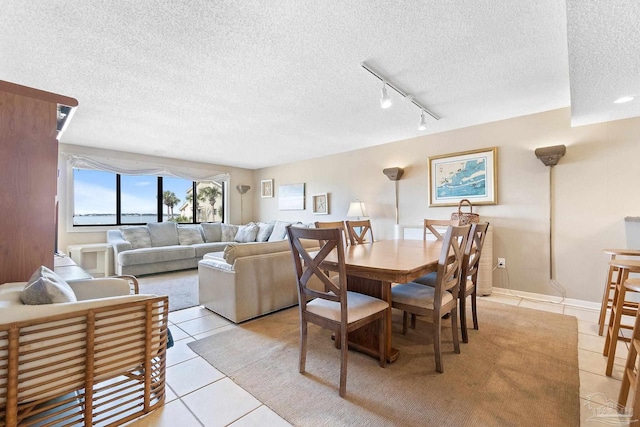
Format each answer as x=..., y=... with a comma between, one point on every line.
x=134, y=167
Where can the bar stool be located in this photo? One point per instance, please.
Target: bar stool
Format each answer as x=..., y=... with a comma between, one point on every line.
x=630, y=375
x=609, y=285
x=619, y=309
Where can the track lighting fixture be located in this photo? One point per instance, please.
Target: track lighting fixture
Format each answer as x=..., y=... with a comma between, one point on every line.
x=385, y=101
x=423, y=123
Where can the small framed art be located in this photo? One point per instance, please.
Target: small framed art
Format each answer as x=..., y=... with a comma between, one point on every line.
x=319, y=203
x=266, y=188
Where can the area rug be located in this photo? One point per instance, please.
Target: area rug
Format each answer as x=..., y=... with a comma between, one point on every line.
x=520, y=368
x=180, y=286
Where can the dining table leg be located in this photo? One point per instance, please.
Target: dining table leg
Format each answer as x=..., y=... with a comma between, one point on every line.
x=365, y=339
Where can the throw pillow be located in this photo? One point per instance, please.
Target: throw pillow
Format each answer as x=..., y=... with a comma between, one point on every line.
x=228, y=232
x=279, y=231
x=163, y=234
x=247, y=233
x=264, y=232
x=212, y=231
x=46, y=287
x=189, y=234
x=138, y=236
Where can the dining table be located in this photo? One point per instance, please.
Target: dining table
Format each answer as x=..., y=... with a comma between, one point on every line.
x=372, y=268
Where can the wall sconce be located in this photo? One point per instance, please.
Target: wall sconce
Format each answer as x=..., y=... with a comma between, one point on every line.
x=550, y=156
x=394, y=174
x=242, y=189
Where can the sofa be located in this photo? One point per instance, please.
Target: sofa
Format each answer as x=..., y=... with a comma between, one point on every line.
x=63, y=350
x=248, y=280
x=167, y=246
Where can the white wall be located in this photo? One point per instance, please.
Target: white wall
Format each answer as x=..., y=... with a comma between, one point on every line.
x=68, y=235
x=595, y=187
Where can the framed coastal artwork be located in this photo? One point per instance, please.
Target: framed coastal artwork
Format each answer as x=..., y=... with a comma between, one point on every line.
x=319, y=204
x=291, y=197
x=468, y=175
x=266, y=188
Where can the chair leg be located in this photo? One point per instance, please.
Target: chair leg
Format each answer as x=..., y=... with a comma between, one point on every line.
x=303, y=345
x=454, y=329
x=404, y=323
x=413, y=321
x=474, y=310
x=437, y=325
x=463, y=317
x=344, y=349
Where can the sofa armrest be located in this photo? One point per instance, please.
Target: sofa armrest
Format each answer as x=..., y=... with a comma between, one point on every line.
x=100, y=288
x=115, y=239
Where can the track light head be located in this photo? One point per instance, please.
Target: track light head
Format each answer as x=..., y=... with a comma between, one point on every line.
x=423, y=122
x=385, y=101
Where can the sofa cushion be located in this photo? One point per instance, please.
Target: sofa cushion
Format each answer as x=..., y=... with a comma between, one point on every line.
x=233, y=250
x=190, y=234
x=163, y=234
x=212, y=231
x=264, y=231
x=247, y=233
x=46, y=287
x=153, y=255
x=137, y=235
x=204, y=248
x=228, y=232
x=279, y=231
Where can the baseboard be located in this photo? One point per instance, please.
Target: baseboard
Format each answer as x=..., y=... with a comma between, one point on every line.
x=586, y=305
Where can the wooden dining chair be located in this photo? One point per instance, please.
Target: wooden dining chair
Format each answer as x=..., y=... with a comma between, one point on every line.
x=335, y=224
x=359, y=236
x=440, y=299
x=336, y=308
x=469, y=281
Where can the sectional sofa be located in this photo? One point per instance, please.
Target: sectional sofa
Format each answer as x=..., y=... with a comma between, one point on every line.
x=167, y=246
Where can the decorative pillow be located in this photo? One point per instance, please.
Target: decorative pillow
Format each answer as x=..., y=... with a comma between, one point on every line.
x=46, y=287
x=163, y=234
x=228, y=232
x=279, y=231
x=247, y=233
x=264, y=232
x=138, y=236
x=189, y=234
x=212, y=231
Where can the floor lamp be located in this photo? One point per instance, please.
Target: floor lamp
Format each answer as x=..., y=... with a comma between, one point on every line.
x=242, y=189
x=394, y=174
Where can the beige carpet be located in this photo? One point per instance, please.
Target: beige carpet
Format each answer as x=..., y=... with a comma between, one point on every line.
x=180, y=286
x=520, y=368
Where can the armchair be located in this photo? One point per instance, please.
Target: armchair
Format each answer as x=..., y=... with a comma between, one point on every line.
x=100, y=360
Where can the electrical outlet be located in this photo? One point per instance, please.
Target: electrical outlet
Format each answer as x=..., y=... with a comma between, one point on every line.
x=502, y=263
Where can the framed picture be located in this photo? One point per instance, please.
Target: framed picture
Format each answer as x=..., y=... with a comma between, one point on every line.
x=291, y=197
x=468, y=175
x=266, y=188
x=319, y=203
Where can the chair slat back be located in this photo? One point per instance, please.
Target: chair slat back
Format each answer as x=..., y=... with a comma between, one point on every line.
x=431, y=224
x=359, y=236
x=335, y=224
x=474, y=250
x=451, y=260
x=308, y=264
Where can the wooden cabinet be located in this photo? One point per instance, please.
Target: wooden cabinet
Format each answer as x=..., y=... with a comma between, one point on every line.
x=30, y=124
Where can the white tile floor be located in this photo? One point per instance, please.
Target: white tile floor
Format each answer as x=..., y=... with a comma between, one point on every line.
x=200, y=395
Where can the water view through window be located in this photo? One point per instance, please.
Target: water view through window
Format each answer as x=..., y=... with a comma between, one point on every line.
x=96, y=199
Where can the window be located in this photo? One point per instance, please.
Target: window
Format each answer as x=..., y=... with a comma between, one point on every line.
x=105, y=198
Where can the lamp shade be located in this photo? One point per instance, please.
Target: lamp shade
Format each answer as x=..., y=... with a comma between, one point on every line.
x=357, y=209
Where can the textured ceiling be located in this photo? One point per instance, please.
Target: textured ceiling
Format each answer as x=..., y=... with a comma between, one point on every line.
x=260, y=83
